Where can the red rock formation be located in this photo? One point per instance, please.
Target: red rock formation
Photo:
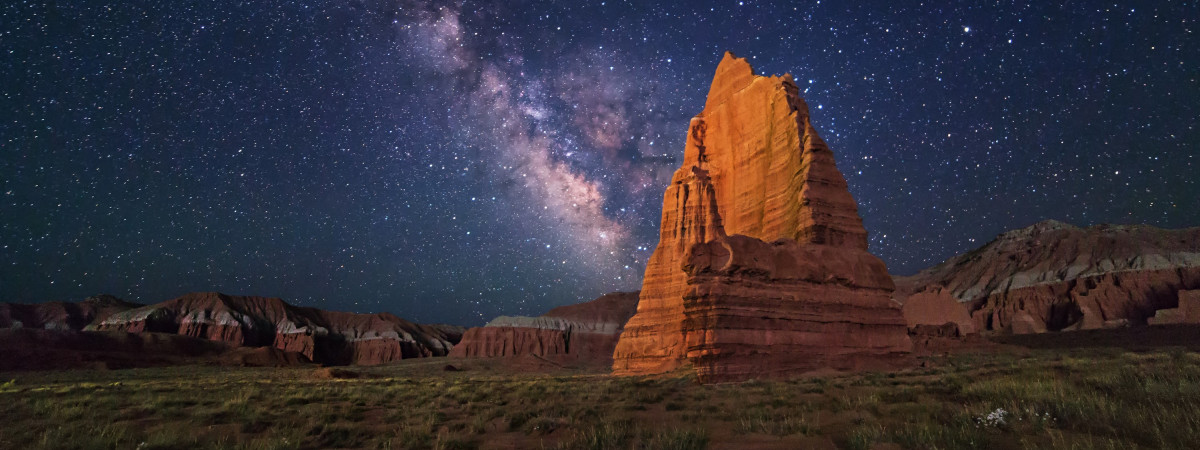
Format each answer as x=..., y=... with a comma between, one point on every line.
x=322, y=336
x=506, y=340
x=1188, y=310
x=935, y=307
x=62, y=315
x=1053, y=276
x=1024, y=323
x=761, y=267
x=584, y=333
x=379, y=338
x=947, y=338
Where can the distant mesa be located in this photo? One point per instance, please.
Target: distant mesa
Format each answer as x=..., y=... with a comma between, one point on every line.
x=62, y=315
x=583, y=334
x=1053, y=276
x=761, y=268
x=326, y=337
x=251, y=330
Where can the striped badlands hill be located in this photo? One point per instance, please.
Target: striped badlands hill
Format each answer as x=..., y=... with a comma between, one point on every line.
x=1053, y=276
x=323, y=336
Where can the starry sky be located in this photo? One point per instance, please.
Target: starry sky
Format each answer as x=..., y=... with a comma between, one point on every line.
x=455, y=161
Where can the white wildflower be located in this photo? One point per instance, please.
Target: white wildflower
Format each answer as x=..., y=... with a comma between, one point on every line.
x=993, y=419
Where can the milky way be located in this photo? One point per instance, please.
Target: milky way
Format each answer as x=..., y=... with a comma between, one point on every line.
x=454, y=161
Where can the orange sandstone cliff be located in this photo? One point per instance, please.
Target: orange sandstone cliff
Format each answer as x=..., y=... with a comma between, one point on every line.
x=761, y=268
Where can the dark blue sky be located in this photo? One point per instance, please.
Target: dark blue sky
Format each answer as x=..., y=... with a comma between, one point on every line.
x=454, y=161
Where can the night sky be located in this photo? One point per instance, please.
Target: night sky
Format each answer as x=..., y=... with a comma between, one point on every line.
x=454, y=161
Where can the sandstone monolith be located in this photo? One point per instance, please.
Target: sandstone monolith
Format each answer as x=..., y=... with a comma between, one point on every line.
x=761, y=268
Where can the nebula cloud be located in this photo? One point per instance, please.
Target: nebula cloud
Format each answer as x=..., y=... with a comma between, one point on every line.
x=509, y=114
x=437, y=36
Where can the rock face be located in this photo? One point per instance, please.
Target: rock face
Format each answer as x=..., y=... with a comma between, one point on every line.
x=585, y=333
x=1188, y=310
x=62, y=315
x=322, y=336
x=1053, y=276
x=761, y=268
x=935, y=307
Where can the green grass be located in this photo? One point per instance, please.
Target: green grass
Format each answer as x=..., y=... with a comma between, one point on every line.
x=864, y=437
x=1065, y=399
x=678, y=439
x=774, y=423
x=602, y=436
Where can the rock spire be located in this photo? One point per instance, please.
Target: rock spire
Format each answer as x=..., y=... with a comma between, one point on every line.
x=762, y=266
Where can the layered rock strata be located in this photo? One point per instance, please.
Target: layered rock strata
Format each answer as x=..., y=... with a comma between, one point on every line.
x=321, y=336
x=761, y=268
x=584, y=333
x=1053, y=276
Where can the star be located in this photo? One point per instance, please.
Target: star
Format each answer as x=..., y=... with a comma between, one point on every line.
x=521, y=154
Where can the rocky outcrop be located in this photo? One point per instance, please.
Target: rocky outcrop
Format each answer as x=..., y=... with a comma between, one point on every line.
x=1188, y=310
x=494, y=340
x=1054, y=276
x=761, y=268
x=935, y=307
x=62, y=315
x=584, y=333
x=321, y=336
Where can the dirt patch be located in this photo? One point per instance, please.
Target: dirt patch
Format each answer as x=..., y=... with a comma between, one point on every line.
x=334, y=373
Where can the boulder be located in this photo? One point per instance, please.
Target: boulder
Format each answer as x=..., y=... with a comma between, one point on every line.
x=935, y=307
x=1024, y=323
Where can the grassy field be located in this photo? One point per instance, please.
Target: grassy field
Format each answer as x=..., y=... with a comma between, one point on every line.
x=1042, y=399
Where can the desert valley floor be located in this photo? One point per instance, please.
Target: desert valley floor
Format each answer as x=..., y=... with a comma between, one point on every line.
x=1084, y=389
